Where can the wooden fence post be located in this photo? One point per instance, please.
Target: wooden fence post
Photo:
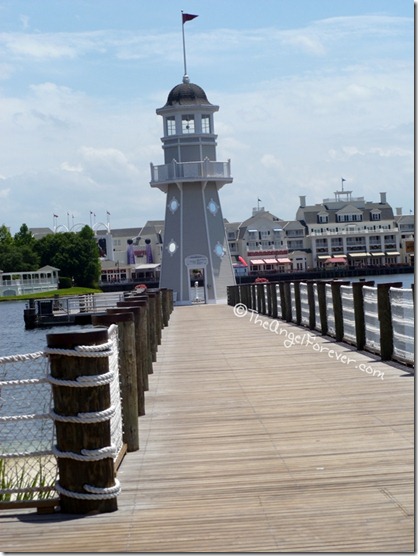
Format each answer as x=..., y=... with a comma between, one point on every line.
x=322, y=307
x=298, y=306
x=385, y=319
x=127, y=373
x=82, y=423
x=358, y=302
x=311, y=304
x=288, y=302
x=338, y=310
x=141, y=384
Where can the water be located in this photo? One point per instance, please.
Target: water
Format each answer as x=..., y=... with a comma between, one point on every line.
x=14, y=338
x=406, y=279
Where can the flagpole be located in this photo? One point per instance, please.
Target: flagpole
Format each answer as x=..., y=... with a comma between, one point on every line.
x=184, y=45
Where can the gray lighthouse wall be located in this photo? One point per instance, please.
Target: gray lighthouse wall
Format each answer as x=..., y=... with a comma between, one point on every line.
x=196, y=230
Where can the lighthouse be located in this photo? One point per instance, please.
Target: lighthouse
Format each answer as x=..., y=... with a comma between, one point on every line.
x=196, y=263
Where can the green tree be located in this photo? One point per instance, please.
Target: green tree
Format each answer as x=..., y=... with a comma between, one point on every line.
x=18, y=254
x=75, y=254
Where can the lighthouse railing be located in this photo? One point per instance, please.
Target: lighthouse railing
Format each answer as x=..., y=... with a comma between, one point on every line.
x=190, y=170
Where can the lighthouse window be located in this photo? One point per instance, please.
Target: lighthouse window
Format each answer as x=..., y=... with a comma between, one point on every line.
x=188, y=124
x=205, y=124
x=171, y=125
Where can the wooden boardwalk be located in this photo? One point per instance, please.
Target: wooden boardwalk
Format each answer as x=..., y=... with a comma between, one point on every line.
x=251, y=444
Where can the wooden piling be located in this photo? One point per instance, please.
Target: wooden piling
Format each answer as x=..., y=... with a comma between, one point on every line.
x=73, y=437
x=138, y=356
x=127, y=373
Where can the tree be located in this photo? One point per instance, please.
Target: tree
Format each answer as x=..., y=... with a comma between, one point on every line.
x=18, y=254
x=75, y=254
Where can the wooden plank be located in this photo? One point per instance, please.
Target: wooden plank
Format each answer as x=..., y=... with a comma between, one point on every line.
x=252, y=446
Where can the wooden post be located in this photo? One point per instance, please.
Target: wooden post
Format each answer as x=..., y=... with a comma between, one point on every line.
x=144, y=333
x=138, y=356
x=288, y=302
x=297, y=302
x=273, y=296
x=311, y=304
x=338, y=310
x=322, y=307
x=127, y=373
x=358, y=302
x=385, y=319
x=156, y=294
x=165, y=297
x=152, y=311
x=74, y=435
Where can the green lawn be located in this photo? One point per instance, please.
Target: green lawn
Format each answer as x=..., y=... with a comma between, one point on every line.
x=41, y=295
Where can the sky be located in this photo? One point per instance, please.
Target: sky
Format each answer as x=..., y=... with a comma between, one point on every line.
x=310, y=92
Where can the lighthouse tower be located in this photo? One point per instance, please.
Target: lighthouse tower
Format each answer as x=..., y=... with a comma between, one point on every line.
x=196, y=263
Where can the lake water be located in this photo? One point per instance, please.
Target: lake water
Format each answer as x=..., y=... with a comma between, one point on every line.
x=15, y=339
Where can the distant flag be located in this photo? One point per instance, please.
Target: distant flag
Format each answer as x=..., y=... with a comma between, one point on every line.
x=187, y=17
x=55, y=215
x=108, y=213
x=259, y=200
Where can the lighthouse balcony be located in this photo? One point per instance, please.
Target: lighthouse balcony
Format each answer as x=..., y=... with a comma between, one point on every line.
x=190, y=171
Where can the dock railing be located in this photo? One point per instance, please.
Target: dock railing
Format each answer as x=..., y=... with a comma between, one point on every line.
x=70, y=412
x=379, y=319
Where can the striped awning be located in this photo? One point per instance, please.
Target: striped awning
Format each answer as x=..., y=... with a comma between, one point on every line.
x=324, y=256
x=256, y=261
x=379, y=254
x=270, y=261
x=392, y=253
x=284, y=261
x=359, y=254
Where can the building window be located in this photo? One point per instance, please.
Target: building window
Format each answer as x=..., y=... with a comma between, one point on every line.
x=187, y=122
x=322, y=218
x=171, y=125
x=375, y=215
x=206, y=124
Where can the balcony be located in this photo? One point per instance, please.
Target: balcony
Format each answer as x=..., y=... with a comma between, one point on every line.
x=206, y=169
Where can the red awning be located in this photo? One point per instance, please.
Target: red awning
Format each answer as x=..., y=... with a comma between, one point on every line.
x=336, y=260
x=284, y=261
x=270, y=261
x=256, y=261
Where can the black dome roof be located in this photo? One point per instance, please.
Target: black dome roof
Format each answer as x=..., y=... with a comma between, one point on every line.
x=187, y=93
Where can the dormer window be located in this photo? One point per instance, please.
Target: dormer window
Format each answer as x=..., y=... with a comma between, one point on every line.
x=187, y=123
x=375, y=215
x=171, y=125
x=322, y=218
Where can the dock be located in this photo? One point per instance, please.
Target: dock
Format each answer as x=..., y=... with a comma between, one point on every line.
x=259, y=436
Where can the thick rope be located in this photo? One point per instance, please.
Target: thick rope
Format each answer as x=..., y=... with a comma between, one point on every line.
x=91, y=417
x=87, y=455
x=84, y=381
x=7, y=418
x=76, y=353
x=93, y=493
x=26, y=357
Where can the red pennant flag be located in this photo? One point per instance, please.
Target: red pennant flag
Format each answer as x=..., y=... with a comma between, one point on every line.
x=188, y=17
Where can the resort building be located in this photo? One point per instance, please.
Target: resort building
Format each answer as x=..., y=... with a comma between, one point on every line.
x=350, y=231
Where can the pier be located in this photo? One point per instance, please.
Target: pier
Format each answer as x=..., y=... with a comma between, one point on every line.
x=258, y=436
